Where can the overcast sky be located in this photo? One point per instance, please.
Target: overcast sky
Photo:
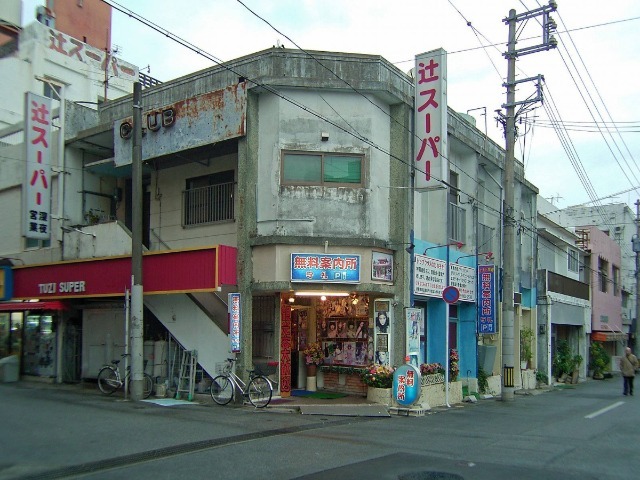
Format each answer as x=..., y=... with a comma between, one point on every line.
x=591, y=76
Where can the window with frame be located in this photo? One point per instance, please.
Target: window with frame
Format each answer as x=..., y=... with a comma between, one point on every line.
x=208, y=199
x=572, y=260
x=322, y=169
x=603, y=268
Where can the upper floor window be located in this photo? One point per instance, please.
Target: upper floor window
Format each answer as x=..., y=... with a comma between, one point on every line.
x=603, y=268
x=325, y=169
x=208, y=199
x=572, y=258
x=615, y=271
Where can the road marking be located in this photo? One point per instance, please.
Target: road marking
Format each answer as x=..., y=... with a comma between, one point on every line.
x=604, y=410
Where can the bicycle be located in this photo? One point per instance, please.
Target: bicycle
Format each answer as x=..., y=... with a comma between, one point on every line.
x=258, y=390
x=110, y=379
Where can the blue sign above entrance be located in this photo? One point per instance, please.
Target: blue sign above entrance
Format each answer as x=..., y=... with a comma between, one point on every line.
x=325, y=267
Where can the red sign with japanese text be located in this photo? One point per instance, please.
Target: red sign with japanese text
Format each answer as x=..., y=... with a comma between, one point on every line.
x=430, y=113
x=37, y=187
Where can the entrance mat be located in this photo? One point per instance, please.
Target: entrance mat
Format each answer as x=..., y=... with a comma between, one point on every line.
x=374, y=410
x=169, y=402
x=318, y=395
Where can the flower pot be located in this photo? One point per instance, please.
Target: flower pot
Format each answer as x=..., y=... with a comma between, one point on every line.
x=312, y=370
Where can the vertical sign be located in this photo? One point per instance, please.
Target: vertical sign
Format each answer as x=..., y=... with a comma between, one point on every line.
x=414, y=320
x=37, y=186
x=486, y=308
x=235, y=321
x=430, y=113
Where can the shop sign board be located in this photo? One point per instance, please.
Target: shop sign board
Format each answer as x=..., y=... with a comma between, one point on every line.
x=430, y=119
x=406, y=385
x=429, y=276
x=174, y=271
x=235, y=321
x=464, y=279
x=37, y=183
x=325, y=267
x=197, y=121
x=487, y=306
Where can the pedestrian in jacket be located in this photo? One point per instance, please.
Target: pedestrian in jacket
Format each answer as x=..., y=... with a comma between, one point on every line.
x=628, y=366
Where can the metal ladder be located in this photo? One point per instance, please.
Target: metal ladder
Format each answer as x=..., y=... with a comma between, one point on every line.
x=187, y=379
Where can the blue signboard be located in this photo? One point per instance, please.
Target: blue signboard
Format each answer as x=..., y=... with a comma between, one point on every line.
x=487, y=299
x=406, y=385
x=235, y=321
x=325, y=267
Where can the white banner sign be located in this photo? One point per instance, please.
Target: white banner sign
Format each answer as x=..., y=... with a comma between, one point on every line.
x=464, y=279
x=37, y=186
x=429, y=276
x=430, y=113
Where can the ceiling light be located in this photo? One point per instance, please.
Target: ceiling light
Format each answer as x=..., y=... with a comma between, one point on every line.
x=320, y=293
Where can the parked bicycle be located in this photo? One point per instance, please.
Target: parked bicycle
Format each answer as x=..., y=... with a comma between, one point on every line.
x=110, y=380
x=258, y=390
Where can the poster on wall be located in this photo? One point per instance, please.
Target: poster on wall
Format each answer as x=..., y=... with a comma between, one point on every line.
x=382, y=320
x=414, y=319
x=235, y=320
x=381, y=266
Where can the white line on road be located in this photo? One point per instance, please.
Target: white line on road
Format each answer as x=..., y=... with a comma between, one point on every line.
x=604, y=410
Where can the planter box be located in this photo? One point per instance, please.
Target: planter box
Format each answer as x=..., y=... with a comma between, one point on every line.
x=529, y=379
x=435, y=395
x=351, y=384
x=494, y=385
x=379, y=395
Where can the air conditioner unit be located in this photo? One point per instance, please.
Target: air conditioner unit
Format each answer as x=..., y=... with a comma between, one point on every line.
x=517, y=298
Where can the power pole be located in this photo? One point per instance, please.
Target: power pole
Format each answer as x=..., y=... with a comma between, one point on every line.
x=137, y=302
x=509, y=218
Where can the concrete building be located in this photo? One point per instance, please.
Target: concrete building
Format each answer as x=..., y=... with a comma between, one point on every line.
x=564, y=291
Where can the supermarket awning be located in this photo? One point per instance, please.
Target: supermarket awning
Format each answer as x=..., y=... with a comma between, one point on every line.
x=23, y=306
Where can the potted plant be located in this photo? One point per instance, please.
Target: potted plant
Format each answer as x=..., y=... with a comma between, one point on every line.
x=454, y=367
x=562, y=361
x=576, y=361
x=313, y=357
x=599, y=360
x=431, y=373
x=526, y=351
x=379, y=380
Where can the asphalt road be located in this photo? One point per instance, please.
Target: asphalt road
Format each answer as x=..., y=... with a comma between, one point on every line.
x=586, y=432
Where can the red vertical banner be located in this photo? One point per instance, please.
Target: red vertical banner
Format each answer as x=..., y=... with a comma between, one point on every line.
x=285, y=351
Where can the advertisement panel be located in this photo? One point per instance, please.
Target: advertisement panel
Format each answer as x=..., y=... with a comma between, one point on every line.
x=325, y=267
x=235, y=321
x=487, y=308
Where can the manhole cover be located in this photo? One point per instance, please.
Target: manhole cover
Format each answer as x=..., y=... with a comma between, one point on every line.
x=430, y=476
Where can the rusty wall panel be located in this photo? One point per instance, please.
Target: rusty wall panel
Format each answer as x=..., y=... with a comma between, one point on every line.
x=194, y=122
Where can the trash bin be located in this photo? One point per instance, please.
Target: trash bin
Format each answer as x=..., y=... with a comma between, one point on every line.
x=9, y=369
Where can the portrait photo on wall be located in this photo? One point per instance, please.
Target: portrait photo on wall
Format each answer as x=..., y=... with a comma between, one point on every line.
x=332, y=330
x=382, y=321
x=382, y=358
x=382, y=266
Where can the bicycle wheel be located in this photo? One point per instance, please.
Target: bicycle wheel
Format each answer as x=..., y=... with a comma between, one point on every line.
x=259, y=391
x=108, y=381
x=147, y=385
x=222, y=390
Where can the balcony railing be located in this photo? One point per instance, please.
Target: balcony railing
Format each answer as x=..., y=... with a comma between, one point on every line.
x=208, y=204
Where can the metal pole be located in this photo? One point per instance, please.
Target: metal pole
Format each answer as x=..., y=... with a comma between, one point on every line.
x=137, y=304
x=508, y=218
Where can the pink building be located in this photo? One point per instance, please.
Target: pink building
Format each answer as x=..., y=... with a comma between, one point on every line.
x=606, y=292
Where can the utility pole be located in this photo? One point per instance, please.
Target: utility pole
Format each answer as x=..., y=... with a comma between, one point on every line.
x=635, y=241
x=509, y=218
x=137, y=302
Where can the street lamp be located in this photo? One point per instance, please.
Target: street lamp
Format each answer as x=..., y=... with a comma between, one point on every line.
x=487, y=255
x=457, y=244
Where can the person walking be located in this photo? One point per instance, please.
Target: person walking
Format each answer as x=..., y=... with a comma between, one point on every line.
x=628, y=366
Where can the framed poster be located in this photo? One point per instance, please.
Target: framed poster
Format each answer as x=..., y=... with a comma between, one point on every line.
x=382, y=266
